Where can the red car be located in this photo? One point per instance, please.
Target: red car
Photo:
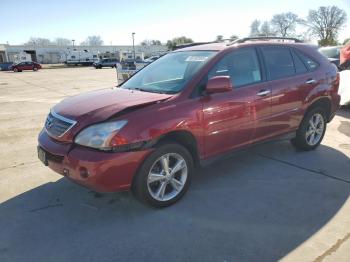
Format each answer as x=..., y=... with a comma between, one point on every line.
x=25, y=66
x=186, y=109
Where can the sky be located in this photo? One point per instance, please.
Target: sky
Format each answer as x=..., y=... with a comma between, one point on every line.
x=115, y=20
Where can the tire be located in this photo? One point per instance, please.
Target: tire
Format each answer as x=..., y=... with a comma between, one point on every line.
x=161, y=191
x=308, y=136
x=15, y=70
x=35, y=69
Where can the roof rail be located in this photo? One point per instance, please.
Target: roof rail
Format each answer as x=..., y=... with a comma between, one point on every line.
x=264, y=38
x=200, y=43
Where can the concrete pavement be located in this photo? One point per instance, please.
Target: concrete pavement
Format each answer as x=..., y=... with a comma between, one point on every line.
x=267, y=203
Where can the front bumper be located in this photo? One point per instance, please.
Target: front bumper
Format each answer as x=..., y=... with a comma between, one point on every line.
x=99, y=171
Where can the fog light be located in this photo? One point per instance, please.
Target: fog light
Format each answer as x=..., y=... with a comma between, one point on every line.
x=84, y=173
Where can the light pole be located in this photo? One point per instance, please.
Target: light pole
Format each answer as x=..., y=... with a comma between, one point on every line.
x=133, y=44
x=73, y=42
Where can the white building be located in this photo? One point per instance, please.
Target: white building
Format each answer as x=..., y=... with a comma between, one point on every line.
x=53, y=54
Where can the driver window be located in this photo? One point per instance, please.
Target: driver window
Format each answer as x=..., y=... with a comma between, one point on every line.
x=242, y=66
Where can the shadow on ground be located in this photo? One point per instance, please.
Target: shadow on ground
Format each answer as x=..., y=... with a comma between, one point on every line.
x=261, y=203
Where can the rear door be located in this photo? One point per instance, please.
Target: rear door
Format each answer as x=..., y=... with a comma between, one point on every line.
x=286, y=86
x=290, y=80
x=232, y=118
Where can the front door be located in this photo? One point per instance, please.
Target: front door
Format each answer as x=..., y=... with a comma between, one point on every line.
x=231, y=119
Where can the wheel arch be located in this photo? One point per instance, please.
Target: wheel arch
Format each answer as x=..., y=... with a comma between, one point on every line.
x=323, y=102
x=184, y=138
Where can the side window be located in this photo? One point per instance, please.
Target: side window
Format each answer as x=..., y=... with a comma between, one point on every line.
x=308, y=61
x=241, y=66
x=299, y=65
x=279, y=61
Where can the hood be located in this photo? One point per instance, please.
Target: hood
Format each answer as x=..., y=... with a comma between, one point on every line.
x=102, y=104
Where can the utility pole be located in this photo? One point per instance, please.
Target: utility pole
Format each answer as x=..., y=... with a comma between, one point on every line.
x=73, y=42
x=133, y=44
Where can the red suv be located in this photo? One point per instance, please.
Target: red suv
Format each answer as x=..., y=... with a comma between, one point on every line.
x=188, y=108
x=19, y=67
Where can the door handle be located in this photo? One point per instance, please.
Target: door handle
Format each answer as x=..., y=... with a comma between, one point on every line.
x=310, y=81
x=263, y=92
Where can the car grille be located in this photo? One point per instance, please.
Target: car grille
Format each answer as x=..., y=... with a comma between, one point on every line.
x=57, y=125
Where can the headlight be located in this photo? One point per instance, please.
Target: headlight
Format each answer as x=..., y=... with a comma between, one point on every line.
x=102, y=136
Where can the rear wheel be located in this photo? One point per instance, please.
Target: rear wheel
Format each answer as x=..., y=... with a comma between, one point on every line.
x=165, y=176
x=311, y=130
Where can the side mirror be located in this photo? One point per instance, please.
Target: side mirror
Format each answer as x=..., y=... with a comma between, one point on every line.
x=219, y=84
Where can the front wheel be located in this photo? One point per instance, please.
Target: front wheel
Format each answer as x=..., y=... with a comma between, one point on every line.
x=311, y=130
x=15, y=69
x=35, y=69
x=165, y=176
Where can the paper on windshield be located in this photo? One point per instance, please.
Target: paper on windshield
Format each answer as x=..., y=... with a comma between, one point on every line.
x=196, y=58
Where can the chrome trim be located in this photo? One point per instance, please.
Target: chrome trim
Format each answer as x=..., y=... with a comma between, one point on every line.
x=62, y=118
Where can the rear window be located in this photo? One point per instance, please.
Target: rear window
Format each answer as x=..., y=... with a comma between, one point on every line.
x=279, y=61
x=308, y=61
x=300, y=67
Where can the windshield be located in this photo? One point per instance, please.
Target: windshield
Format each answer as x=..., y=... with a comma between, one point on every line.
x=330, y=52
x=170, y=73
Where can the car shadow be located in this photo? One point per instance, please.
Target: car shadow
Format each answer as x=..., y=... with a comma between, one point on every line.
x=260, y=204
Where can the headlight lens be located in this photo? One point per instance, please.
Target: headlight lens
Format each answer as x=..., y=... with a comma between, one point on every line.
x=101, y=136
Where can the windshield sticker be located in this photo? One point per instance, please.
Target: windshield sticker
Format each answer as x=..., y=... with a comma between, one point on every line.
x=196, y=58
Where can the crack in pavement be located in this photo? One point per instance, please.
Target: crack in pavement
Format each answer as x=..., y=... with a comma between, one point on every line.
x=333, y=248
x=318, y=172
x=17, y=165
x=45, y=207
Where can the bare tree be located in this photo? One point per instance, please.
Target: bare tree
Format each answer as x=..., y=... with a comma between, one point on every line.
x=93, y=40
x=284, y=24
x=254, y=28
x=38, y=41
x=325, y=23
x=60, y=41
x=233, y=37
x=219, y=38
x=265, y=29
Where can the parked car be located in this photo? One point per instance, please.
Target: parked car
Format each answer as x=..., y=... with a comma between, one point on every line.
x=151, y=59
x=345, y=57
x=332, y=53
x=105, y=62
x=186, y=109
x=19, y=67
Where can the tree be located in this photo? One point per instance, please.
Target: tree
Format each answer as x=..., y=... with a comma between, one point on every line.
x=171, y=44
x=346, y=41
x=93, y=40
x=147, y=42
x=60, y=41
x=219, y=38
x=284, y=24
x=38, y=41
x=325, y=23
x=254, y=28
x=233, y=37
x=265, y=29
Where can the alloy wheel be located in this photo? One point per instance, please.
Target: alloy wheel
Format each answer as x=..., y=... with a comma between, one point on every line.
x=167, y=177
x=315, y=129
